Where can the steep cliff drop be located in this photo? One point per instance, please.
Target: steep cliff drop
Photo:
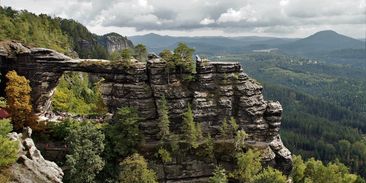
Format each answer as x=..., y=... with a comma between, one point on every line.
x=217, y=90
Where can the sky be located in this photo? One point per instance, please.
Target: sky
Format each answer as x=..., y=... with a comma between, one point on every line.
x=280, y=18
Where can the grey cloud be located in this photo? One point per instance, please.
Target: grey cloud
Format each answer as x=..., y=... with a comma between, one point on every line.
x=277, y=16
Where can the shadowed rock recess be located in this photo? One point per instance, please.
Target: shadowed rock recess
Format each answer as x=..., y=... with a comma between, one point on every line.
x=216, y=91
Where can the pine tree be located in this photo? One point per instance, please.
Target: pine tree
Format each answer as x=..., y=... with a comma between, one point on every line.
x=190, y=128
x=224, y=129
x=164, y=120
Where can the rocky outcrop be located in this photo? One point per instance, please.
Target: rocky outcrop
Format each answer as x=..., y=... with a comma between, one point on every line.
x=114, y=42
x=216, y=91
x=31, y=167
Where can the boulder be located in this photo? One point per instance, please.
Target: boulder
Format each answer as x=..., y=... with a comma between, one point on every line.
x=31, y=167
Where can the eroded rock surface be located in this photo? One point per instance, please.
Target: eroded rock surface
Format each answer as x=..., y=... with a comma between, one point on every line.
x=31, y=167
x=216, y=91
x=114, y=42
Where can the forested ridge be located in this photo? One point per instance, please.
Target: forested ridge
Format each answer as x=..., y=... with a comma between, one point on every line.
x=63, y=35
x=324, y=104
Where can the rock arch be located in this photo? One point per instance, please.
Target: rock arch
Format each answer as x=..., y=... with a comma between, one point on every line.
x=217, y=90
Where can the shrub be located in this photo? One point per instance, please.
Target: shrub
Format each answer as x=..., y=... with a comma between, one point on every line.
x=135, y=170
x=219, y=176
x=270, y=175
x=8, y=149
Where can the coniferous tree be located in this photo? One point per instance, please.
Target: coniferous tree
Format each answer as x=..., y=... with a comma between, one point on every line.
x=164, y=119
x=192, y=131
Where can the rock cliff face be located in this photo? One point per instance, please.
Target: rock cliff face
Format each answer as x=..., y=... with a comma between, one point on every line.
x=114, y=42
x=216, y=91
x=31, y=167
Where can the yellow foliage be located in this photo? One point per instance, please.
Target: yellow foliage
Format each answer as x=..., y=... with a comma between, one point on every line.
x=18, y=100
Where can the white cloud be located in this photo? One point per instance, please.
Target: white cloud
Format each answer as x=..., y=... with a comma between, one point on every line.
x=229, y=17
x=284, y=2
x=207, y=21
x=246, y=13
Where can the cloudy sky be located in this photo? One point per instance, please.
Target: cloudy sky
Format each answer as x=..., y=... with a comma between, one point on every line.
x=282, y=18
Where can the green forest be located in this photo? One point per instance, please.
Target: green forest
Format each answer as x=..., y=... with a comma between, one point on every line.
x=324, y=104
x=65, y=36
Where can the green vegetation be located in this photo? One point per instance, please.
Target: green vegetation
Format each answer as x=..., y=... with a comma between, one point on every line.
x=63, y=129
x=135, y=170
x=270, y=175
x=219, y=176
x=164, y=119
x=8, y=149
x=228, y=131
x=123, y=133
x=181, y=58
x=5, y=127
x=63, y=35
x=76, y=94
x=140, y=52
x=84, y=161
x=324, y=105
x=315, y=171
x=122, y=55
x=122, y=138
x=250, y=170
x=192, y=131
x=82, y=41
x=248, y=165
x=41, y=30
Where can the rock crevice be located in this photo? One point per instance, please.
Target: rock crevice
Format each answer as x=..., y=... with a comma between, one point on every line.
x=216, y=91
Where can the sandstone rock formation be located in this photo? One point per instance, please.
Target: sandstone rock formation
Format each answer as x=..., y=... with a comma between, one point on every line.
x=114, y=42
x=31, y=167
x=216, y=91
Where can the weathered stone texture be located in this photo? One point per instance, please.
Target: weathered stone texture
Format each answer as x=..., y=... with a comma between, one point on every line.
x=31, y=167
x=218, y=90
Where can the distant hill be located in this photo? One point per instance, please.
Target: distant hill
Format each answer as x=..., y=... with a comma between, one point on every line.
x=210, y=45
x=323, y=41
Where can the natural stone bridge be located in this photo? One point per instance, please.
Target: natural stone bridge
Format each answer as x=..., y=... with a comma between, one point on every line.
x=216, y=91
x=43, y=68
